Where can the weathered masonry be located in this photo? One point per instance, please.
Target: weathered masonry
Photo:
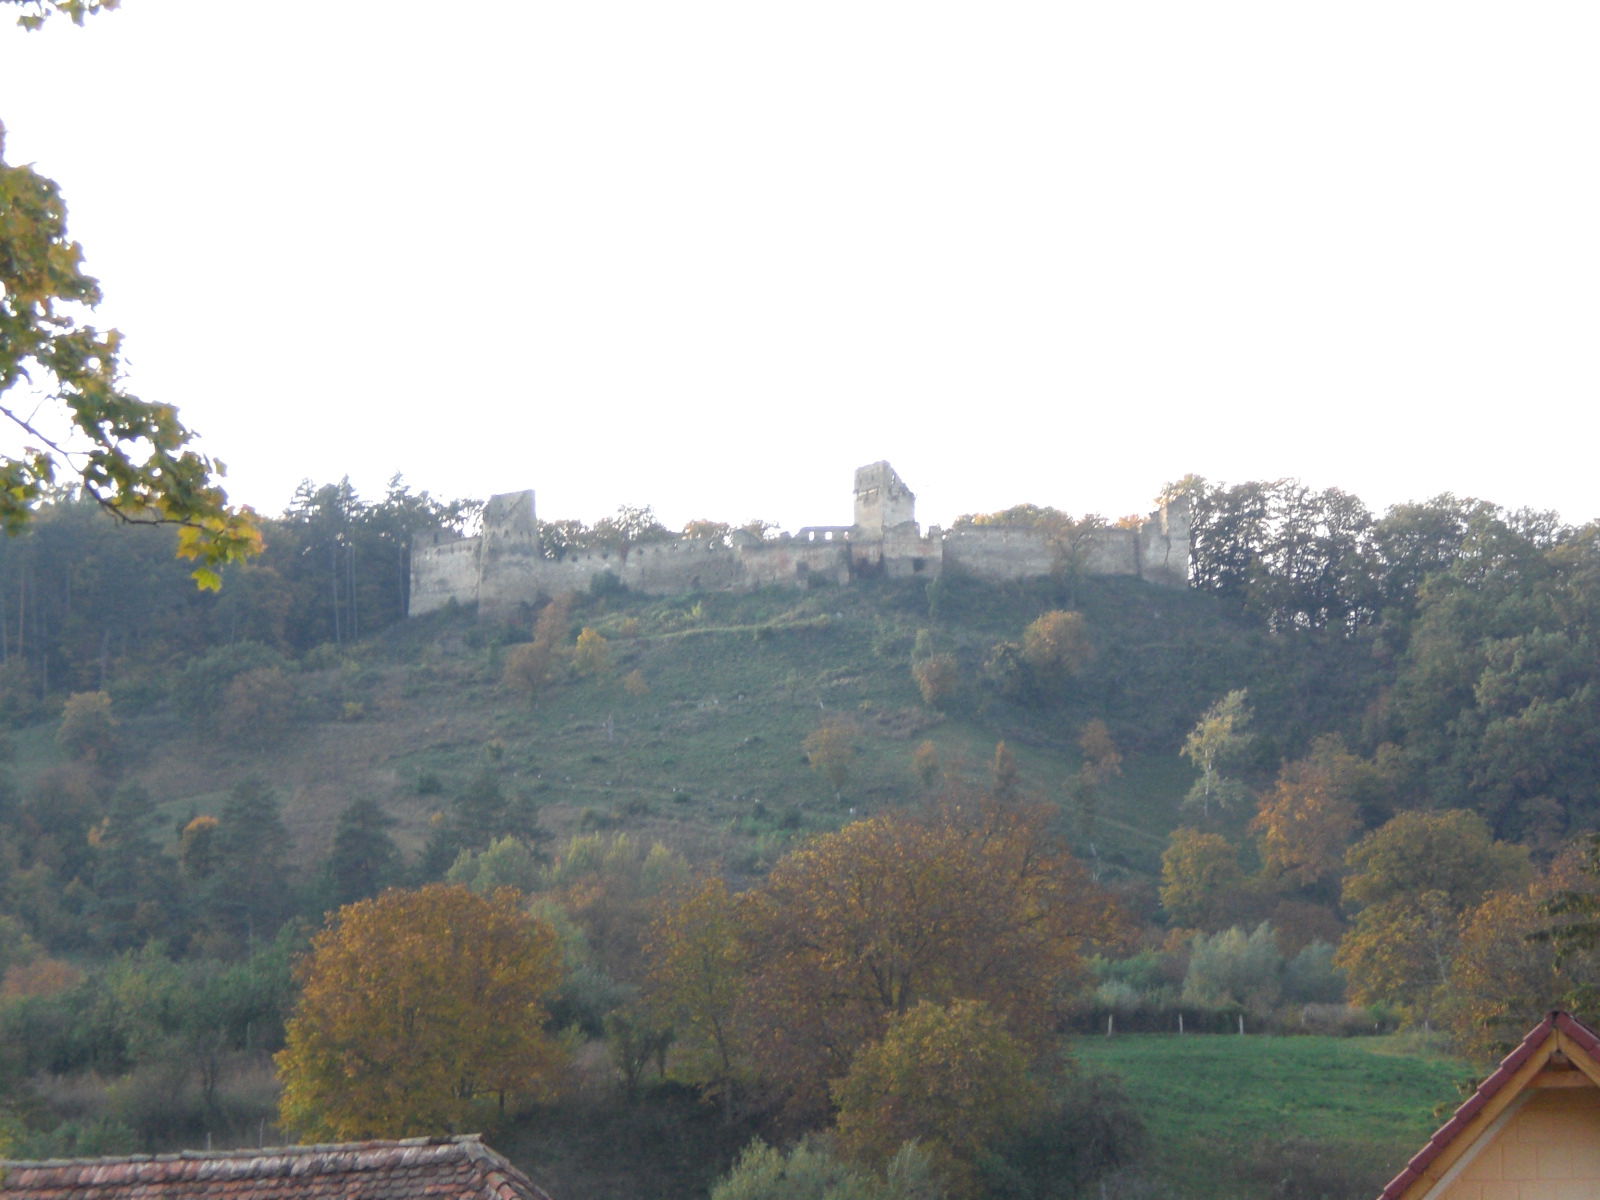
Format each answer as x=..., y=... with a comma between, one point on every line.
x=504, y=568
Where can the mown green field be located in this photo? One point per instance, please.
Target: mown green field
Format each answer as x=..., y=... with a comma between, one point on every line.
x=1262, y=1118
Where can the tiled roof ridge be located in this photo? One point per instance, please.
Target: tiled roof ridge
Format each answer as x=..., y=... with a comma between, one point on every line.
x=268, y=1162
x=1556, y=1019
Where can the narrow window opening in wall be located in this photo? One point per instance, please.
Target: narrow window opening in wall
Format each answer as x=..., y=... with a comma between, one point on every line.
x=917, y=564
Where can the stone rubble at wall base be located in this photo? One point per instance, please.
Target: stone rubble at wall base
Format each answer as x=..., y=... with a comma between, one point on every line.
x=503, y=570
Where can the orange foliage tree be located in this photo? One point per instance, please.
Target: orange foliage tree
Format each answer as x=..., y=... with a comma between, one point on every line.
x=1305, y=824
x=414, y=1005
x=977, y=902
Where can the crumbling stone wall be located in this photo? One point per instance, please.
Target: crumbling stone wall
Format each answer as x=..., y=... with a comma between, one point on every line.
x=504, y=572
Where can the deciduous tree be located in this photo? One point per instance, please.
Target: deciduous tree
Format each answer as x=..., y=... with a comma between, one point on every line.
x=950, y=1077
x=1102, y=762
x=1412, y=880
x=414, y=1005
x=1201, y=879
x=938, y=679
x=1307, y=820
x=1056, y=647
x=975, y=902
x=699, y=958
x=134, y=457
x=88, y=730
x=830, y=749
x=592, y=654
x=1221, y=734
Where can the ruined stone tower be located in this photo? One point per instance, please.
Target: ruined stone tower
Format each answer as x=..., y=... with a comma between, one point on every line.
x=883, y=501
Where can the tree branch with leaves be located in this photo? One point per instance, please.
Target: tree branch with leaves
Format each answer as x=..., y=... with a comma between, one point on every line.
x=62, y=388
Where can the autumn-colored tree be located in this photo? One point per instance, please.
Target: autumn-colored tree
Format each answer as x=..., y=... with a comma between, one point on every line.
x=1515, y=959
x=630, y=526
x=1499, y=975
x=40, y=976
x=259, y=707
x=528, y=667
x=974, y=902
x=1102, y=762
x=1072, y=541
x=938, y=679
x=1450, y=851
x=830, y=749
x=1056, y=647
x=197, y=848
x=414, y=1005
x=925, y=762
x=1305, y=824
x=592, y=654
x=88, y=730
x=1220, y=735
x=75, y=417
x=1201, y=880
x=531, y=665
x=1399, y=953
x=950, y=1077
x=1412, y=879
x=698, y=959
x=635, y=684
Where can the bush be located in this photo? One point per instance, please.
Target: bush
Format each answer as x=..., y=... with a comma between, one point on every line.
x=938, y=679
x=1311, y=978
x=811, y=1171
x=1236, y=969
x=88, y=731
x=1091, y=1129
x=198, y=688
x=258, y=707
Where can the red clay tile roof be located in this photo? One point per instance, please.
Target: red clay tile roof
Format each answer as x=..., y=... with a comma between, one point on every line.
x=458, y=1168
x=1581, y=1035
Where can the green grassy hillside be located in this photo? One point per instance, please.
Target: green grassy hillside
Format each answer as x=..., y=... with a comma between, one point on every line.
x=708, y=755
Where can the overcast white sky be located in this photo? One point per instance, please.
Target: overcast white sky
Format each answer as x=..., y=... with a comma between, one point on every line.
x=714, y=256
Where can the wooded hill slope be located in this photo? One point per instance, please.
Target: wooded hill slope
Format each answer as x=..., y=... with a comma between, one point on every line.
x=1237, y=762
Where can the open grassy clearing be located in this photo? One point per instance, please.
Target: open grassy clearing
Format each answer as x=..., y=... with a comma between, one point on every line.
x=1223, y=1110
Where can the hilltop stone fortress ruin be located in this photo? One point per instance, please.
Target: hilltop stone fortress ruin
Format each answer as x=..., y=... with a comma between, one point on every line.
x=503, y=570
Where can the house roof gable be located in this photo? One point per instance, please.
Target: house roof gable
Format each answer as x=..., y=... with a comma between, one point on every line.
x=454, y=1168
x=1560, y=1040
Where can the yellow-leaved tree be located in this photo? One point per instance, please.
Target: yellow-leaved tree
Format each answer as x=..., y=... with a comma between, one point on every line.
x=1412, y=880
x=950, y=1077
x=63, y=396
x=416, y=1007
